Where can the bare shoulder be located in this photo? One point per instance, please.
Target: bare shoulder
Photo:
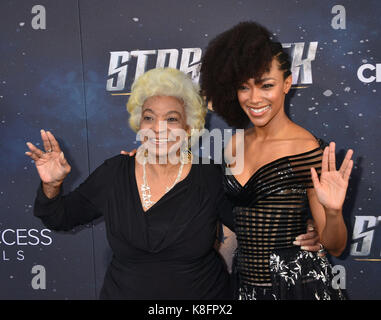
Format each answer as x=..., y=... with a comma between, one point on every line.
x=302, y=140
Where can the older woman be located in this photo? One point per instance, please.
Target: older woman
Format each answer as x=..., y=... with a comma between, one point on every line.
x=160, y=214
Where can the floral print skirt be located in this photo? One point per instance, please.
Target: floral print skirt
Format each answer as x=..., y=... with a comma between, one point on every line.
x=295, y=275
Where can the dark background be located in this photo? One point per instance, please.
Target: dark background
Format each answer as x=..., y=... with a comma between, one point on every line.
x=55, y=79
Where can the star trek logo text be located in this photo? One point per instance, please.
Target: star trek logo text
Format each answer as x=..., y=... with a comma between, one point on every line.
x=130, y=65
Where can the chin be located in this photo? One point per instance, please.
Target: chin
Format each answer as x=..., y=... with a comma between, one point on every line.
x=259, y=123
x=158, y=152
x=163, y=151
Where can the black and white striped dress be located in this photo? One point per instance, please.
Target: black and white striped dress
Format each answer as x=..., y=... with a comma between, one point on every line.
x=271, y=210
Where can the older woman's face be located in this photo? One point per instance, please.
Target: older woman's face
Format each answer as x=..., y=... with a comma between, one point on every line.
x=163, y=123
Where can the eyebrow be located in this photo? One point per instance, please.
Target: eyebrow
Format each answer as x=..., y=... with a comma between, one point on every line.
x=264, y=79
x=148, y=109
x=169, y=112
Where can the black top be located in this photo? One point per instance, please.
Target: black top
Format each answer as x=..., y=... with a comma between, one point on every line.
x=166, y=252
x=271, y=209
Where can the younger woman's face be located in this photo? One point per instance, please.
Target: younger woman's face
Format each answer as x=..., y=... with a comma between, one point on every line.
x=263, y=99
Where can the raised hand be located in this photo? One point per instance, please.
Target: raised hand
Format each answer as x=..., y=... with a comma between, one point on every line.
x=51, y=165
x=333, y=184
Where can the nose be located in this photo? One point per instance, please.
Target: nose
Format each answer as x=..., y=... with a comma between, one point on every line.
x=160, y=126
x=255, y=95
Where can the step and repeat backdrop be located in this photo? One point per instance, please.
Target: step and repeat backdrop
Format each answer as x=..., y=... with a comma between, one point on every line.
x=67, y=66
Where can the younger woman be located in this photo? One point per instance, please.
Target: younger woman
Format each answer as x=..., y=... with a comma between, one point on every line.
x=246, y=75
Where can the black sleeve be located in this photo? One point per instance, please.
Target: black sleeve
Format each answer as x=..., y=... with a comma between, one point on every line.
x=81, y=206
x=225, y=211
x=224, y=206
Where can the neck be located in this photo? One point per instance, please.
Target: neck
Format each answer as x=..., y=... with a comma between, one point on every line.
x=162, y=169
x=277, y=128
x=159, y=166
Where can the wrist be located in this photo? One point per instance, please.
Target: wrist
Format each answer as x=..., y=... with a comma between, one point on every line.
x=332, y=212
x=53, y=185
x=51, y=190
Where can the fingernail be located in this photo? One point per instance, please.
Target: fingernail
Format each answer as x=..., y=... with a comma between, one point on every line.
x=297, y=238
x=297, y=243
x=303, y=248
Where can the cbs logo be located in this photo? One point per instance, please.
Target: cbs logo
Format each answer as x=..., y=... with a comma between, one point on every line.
x=368, y=73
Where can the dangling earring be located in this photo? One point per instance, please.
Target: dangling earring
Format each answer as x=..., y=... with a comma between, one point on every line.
x=189, y=150
x=186, y=156
x=186, y=153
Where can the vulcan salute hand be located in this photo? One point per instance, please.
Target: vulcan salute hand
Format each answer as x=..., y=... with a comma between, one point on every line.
x=333, y=184
x=51, y=164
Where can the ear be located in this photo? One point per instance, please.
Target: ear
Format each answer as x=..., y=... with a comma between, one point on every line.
x=210, y=105
x=287, y=84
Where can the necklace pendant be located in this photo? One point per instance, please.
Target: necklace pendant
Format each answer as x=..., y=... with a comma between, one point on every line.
x=146, y=196
x=147, y=204
x=145, y=188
